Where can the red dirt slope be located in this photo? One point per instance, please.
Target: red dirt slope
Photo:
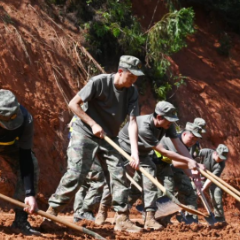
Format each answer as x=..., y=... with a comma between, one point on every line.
x=44, y=64
x=213, y=87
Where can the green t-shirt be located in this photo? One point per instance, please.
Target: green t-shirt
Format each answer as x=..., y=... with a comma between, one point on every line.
x=148, y=135
x=206, y=158
x=106, y=105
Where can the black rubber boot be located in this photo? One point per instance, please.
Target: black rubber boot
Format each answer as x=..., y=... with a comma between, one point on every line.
x=21, y=224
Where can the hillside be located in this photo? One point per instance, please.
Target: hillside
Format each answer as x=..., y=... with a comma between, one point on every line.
x=213, y=81
x=44, y=64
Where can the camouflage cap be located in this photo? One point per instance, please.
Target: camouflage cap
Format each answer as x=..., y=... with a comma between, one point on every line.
x=194, y=129
x=201, y=123
x=10, y=114
x=132, y=64
x=222, y=151
x=166, y=110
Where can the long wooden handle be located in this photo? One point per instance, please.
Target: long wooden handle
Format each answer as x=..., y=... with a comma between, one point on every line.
x=205, y=203
x=134, y=182
x=224, y=183
x=212, y=179
x=152, y=179
x=54, y=218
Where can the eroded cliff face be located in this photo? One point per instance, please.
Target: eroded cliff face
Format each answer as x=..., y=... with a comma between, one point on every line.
x=43, y=63
x=212, y=84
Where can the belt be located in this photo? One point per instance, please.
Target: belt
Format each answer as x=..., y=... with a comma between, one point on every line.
x=9, y=143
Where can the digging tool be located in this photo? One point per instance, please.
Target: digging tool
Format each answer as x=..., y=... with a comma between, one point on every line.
x=212, y=179
x=151, y=178
x=53, y=218
x=224, y=183
x=134, y=182
x=183, y=218
x=211, y=219
x=164, y=205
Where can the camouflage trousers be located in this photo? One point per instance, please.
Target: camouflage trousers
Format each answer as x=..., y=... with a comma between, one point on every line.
x=174, y=180
x=216, y=196
x=11, y=155
x=150, y=192
x=166, y=177
x=93, y=191
x=81, y=154
x=183, y=185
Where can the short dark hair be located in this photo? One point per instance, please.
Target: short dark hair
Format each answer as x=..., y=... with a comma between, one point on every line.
x=156, y=114
x=124, y=69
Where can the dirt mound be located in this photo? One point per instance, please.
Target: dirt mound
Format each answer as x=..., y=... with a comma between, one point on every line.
x=176, y=231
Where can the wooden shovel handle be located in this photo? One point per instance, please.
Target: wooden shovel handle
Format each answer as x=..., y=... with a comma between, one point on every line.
x=205, y=203
x=224, y=183
x=134, y=182
x=212, y=179
x=151, y=178
x=54, y=218
x=114, y=145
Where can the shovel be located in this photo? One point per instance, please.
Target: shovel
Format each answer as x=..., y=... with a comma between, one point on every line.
x=53, y=218
x=213, y=179
x=151, y=178
x=211, y=219
x=224, y=183
x=164, y=205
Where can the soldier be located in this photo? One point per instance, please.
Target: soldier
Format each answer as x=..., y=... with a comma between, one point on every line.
x=174, y=177
x=16, y=140
x=107, y=100
x=195, y=149
x=89, y=196
x=151, y=129
x=214, y=161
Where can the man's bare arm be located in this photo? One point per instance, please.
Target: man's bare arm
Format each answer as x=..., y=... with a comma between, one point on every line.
x=74, y=105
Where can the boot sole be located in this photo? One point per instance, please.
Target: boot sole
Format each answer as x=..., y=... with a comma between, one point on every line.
x=155, y=229
x=126, y=230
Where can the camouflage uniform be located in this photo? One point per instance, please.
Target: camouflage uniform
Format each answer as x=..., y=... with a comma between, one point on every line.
x=89, y=196
x=177, y=179
x=150, y=190
x=206, y=157
x=82, y=150
x=148, y=137
x=101, y=100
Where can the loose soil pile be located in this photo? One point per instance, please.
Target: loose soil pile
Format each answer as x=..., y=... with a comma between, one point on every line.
x=176, y=231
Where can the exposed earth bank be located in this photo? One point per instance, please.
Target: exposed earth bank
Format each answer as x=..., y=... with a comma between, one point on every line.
x=43, y=63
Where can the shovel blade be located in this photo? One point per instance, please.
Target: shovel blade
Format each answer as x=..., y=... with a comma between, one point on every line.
x=140, y=208
x=186, y=219
x=211, y=219
x=165, y=207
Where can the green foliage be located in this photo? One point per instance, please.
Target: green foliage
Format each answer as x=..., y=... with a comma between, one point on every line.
x=111, y=30
x=169, y=34
x=114, y=26
x=165, y=38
